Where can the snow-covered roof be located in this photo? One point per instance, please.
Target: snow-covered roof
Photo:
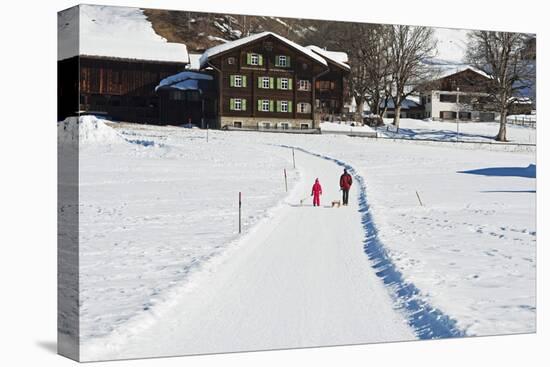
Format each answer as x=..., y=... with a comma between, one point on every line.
x=451, y=69
x=113, y=31
x=340, y=58
x=405, y=104
x=216, y=50
x=194, y=62
x=186, y=80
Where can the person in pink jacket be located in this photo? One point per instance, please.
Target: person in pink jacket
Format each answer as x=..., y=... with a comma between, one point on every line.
x=316, y=192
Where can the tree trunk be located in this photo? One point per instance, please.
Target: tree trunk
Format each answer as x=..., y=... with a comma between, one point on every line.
x=359, y=111
x=397, y=116
x=501, y=136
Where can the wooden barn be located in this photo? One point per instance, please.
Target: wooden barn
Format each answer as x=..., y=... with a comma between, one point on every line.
x=109, y=62
x=266, y=81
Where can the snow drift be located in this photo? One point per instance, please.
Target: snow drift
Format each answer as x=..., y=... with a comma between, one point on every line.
x=88, y=130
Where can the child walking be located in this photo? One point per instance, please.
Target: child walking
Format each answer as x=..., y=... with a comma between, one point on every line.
x=316, y=192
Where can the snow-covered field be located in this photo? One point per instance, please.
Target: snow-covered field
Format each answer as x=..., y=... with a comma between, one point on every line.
x=158, y=219
x=467, y=131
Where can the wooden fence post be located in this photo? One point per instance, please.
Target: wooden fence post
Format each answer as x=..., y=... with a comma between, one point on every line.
x=286, y=184
x=240, y=205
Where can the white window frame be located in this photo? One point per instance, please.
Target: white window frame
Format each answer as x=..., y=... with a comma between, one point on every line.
x=235, y=123
x=255, y=59
x=238, y=81
x=238, y=104
x=284, y=125
x=283, y=61
x=304, y=107
x=283, y=81
x=304, y=84
x=266, y=83
x=265, y=102
x=264, y=125
x=284, y=106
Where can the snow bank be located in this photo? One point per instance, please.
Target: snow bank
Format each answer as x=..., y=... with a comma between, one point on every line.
x=344, y=127
x=88, y=130
x=113, y=31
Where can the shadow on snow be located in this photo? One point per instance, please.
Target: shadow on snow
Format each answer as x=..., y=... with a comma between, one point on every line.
x=428, y=322
x=528, y=172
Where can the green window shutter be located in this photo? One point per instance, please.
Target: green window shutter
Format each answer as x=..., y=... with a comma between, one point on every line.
x=249, y=58
x=244, y=80
x=278, y=106
x=259, y=82
x=277, y=63
x=289, y=106
x=231, y=80
x=271, y=83
x=259, y=104
x=271, y=106
x=288, y=61
x=232, y=104
x=278, y=83
x=260, y=60
x=290, y=83
x=243, y=105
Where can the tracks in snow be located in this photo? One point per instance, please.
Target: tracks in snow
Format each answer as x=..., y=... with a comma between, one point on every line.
x=427, y=321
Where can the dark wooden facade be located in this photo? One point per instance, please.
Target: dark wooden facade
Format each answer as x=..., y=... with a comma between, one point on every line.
x=466, y=80
x=235, y=61
x=330, y=91
x=119, y=88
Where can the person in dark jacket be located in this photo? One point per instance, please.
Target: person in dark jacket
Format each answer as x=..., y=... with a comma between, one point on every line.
x=316, y=192
x=345, y=185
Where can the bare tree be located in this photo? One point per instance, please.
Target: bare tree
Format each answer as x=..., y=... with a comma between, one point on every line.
x=501, y=56
x=378, y=66
x=410, y=46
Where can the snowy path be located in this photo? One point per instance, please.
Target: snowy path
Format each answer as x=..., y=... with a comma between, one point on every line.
x=302, y=279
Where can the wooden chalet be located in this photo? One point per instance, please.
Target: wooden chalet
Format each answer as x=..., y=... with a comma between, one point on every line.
x=266, y=81
x=459, y=93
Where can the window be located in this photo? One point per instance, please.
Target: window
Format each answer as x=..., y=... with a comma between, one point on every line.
x=304, y=126
x=284, y=106
x=237, y=104
x=304, y=85
x=231, y=60
x=465, y=115
x=254, y=59
x=447, y=115
x=238, y=124
x=264, y=125
x=448, y=98
x=265, y=105
x=284, y=125
x=304, y=107
x=237, y=81
x=265, y=82
x=284, y=83
x=282, y=61
x=323, y=85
